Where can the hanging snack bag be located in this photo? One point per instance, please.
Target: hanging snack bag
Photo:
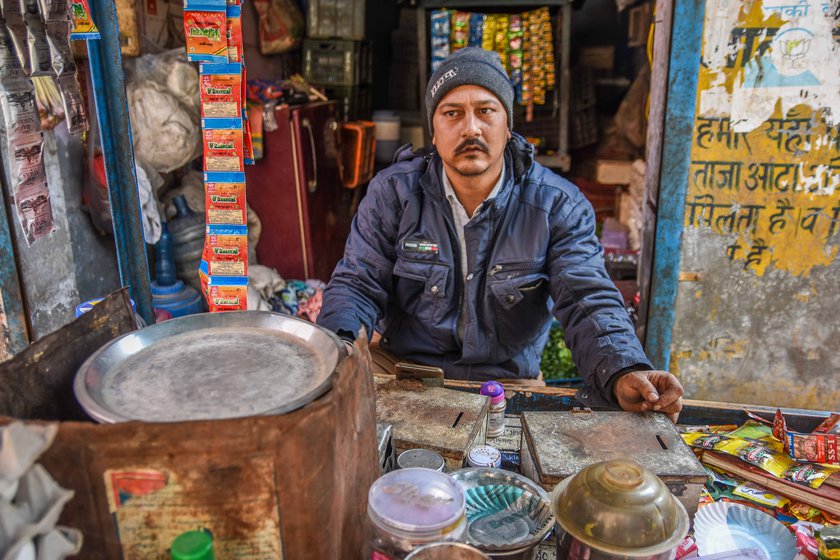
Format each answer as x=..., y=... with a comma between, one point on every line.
x=226, y=250
x=205, y=29
x=440, y=37
x=476, y=29
x=83, y=26
x=223, y=145
x=221, y=90
x=29, y=187
x=488, y=33
x=500, y=43
x=224, y=199
x=20, y=112
x=515, y=40
x=226, y=293
x=10, y=69
x=247, y=144
x=234, y=33
x=36, y=38
x=460, y=30
x=15, y=25
x=73, y=104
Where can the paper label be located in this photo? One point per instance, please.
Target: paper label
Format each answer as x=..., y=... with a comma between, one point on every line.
x=225, y=203
x=223, y=149
x=206, y=34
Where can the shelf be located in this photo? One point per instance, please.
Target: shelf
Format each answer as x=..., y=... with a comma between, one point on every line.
x=490, y=3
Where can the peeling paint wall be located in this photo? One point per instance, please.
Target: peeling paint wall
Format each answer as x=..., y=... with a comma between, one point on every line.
x=758, y=304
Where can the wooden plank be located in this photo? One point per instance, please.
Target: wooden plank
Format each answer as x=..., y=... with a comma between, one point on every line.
x=653, y=152
x=14, y=333
x=676, y=154
x=38, y=382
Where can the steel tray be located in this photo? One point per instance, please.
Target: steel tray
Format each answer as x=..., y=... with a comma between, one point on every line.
x=209, y=366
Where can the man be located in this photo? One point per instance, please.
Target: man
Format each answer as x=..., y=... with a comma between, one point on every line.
x=458, y=251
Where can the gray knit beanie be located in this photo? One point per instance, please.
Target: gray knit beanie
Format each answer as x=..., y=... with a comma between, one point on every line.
x=472, y=66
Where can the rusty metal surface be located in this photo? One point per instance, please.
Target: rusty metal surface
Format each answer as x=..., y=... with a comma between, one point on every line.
x=563, y=443
x=268, y=487
x=439, y=419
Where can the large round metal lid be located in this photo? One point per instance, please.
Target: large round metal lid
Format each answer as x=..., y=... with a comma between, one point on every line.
x=620, y=507
x=209, y=366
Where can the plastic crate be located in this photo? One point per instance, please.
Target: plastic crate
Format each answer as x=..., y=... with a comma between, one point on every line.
x=337, y=62
x=340, y=19
x=354, y=103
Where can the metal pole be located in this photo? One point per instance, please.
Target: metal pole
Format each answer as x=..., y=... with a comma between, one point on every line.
x=118, y=151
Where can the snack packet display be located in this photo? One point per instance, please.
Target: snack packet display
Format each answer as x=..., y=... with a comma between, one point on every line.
x=440, y=36
x=83, y=26
x=247, y=144
x=828, y=542
x=224, y=293
x=20, y=112
x=234, y=33
x=225, y=198
x=460, y=23
x=221, y=90
x=226, y=250
x=515, y=43
x=816, y=447
x=223, y=145
x=500, y=43
x=760, y=495
x=477, y=30
x=488, y=33
x=205, y=29
x=29, y=187
x=73, y=104
x=16, y=27
x=36, y=38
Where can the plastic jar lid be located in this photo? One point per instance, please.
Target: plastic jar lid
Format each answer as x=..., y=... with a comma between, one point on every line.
x=484, y=456
x=416, y=502
x=420, y=458
x=192, y=545
x=494, y=390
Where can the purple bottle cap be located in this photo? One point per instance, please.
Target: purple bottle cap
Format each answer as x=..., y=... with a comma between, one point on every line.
x=494, y=390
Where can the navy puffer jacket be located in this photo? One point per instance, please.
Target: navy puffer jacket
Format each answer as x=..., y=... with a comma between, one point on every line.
x=533, y=245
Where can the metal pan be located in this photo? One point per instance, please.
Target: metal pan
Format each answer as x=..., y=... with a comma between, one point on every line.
x=209, y=366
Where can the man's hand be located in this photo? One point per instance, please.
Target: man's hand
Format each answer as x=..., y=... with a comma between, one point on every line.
x=642, y=391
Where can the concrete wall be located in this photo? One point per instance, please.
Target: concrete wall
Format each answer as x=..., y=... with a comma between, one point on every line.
x=758, y=305
x=72, y=264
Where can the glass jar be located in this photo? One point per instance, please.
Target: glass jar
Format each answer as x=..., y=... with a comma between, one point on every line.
x=411, y=507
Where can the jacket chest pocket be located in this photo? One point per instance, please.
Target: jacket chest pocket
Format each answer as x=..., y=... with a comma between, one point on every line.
x=519, y=300
x=420, y=288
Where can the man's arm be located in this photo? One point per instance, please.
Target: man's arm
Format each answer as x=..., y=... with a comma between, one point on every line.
x=358, y=291
x=597, y=327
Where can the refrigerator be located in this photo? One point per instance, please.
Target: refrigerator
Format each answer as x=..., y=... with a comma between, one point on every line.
x=296, y=191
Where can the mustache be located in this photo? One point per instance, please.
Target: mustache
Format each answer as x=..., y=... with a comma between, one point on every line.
x=470, y=142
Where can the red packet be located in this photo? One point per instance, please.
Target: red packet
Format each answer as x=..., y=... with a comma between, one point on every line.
x=221, y=91
x=223, y=145
x=226, y=251
x=224, y=199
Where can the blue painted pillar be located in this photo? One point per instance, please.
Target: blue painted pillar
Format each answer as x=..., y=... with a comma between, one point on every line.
x=686, y=52
x=10, y=291
x=115, y=133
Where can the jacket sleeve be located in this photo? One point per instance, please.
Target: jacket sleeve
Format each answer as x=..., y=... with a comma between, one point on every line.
x=586, y=302
x=357, y=293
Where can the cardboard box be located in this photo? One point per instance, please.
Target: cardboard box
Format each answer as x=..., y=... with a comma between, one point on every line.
x=613, y=172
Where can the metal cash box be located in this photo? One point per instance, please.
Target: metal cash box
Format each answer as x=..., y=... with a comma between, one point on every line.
x=447, y=421
x=556, y=445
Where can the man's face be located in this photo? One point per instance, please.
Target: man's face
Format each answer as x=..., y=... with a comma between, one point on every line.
x=470, y=130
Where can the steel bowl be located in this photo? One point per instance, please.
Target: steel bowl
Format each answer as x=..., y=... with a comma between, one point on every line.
x=447, y=551
x=617, y=510
x=507, y=514
x=209, y=366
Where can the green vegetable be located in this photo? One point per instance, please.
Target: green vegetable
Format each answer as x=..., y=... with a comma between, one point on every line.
x=556, y=362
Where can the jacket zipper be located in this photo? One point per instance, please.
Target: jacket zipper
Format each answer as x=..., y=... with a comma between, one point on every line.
x=458, y=273
x=516, y=266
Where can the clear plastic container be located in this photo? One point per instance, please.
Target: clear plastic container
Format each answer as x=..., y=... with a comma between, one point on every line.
x=408, y=508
